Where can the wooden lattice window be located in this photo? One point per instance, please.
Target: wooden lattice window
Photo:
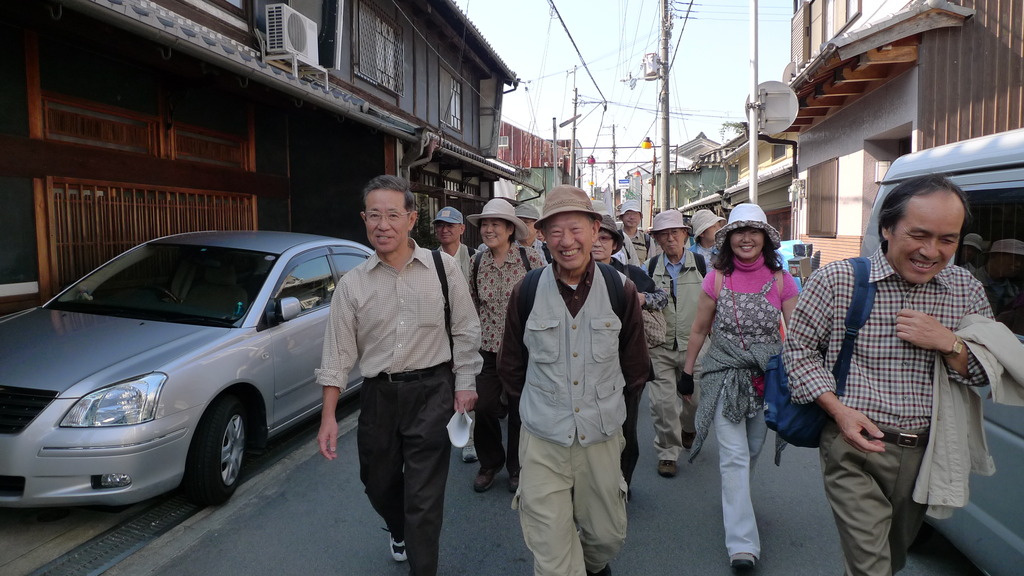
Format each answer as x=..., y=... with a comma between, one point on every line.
x=91, y=222
x=380, y=51
x=209, y=147
x=67, y=120
x=822, y=198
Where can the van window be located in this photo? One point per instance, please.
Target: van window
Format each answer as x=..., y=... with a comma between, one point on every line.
x=993, y=250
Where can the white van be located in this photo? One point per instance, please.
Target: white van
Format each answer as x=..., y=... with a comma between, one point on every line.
x=990, y=169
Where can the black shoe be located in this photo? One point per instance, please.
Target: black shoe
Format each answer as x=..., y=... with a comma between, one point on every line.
x=606, y=571
x=513, y=483
x=742, y=562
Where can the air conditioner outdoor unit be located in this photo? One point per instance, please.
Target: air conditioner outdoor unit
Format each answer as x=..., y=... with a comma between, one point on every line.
x=291, y=34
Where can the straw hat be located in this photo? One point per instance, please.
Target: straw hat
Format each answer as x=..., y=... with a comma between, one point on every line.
x=564, y=198
x=668, y=220
x=748, y=216
x=702, y=220
x=502, y=210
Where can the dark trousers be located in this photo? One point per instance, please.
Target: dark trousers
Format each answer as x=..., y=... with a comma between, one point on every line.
x=404, y=453
x=490, y=409
x=631, y=451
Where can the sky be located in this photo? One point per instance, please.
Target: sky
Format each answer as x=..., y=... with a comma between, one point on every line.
x=709, y=75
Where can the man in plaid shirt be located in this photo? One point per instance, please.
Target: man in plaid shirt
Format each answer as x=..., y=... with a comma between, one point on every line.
x=871, y=451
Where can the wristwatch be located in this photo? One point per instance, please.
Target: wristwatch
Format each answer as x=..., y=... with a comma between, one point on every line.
x=958, y=347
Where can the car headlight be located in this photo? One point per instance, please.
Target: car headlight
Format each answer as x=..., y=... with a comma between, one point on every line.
x=123, y=404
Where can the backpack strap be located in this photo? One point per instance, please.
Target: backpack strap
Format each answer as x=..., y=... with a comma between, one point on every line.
x=718, y=284
x=700, y=264
x=616, y=293
x=476, y=269
x=471, y=250
x=652, y=265
x=526, y=260
x=856, y=316
x=442, y=276
x=547, y=251
x=527, y=295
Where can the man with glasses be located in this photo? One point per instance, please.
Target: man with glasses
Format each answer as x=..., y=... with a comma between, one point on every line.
x=388, y=317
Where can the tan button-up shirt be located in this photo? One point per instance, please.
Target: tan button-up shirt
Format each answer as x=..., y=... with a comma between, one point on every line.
x=392, y=321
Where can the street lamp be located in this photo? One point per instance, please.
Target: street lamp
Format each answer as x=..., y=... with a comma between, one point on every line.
x=591, y=161
x=648, y=145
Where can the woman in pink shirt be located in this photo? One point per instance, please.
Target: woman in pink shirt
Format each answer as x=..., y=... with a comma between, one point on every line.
x=740, y=307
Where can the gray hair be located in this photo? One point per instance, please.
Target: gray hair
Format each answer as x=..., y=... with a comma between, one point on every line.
x=388, y=182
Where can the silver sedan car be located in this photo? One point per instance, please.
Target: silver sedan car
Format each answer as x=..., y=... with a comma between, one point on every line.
x=161, y=367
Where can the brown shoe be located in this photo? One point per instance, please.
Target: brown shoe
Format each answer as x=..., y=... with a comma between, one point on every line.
x=513, y=483
x=688, y=438
x=484, y=480
x=667, y=468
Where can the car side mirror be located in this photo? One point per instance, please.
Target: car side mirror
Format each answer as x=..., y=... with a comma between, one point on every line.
x=288, y=308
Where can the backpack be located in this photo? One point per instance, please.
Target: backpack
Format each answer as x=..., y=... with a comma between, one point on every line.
x=612, y=281
x=801, y=424
x=480, y=255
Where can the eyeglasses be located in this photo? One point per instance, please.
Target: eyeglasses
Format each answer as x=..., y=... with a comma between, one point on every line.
x=374, y=217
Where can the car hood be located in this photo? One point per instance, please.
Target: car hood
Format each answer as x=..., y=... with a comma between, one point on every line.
x=55, y=350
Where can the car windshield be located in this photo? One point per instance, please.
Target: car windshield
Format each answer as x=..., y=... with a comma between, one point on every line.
x=174, y=283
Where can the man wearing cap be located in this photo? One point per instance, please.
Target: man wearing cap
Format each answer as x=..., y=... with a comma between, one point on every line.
x=567, y=356
x=529, y=215
x=678, y=272
x=971, y=251
x=448, y=228
x=874, y=443
x=637, y=243
x=1003, y=273
x=388, y=318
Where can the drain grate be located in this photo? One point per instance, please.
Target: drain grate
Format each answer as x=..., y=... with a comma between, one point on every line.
x=104, y=551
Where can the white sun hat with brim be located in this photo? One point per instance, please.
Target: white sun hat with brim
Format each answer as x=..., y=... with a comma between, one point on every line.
x=630, y=206
x=748, y=216
x=502, y=210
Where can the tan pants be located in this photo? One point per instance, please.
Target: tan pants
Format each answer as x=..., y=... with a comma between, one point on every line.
x=670, y=413
x=561, y=488
x=870, y=495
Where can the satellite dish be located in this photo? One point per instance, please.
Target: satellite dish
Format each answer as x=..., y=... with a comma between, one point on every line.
x=778, y=107
x=789, y=72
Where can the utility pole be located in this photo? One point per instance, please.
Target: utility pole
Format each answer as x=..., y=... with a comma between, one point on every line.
x=555, y=178
x=615, y=178
x=575, y=115
x=753, y=110
x=666, y=32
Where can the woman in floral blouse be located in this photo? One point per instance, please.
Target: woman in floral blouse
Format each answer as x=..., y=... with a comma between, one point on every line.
x=495, y=271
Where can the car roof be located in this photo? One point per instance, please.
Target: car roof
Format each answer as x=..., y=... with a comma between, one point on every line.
x=269, y=241
x=998, y=151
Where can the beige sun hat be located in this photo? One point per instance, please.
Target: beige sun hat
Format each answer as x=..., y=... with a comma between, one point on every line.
x=669, y=219
x=748, y=216
x=527, y=211
x=565, y=198
x=702, y=220
x=501, y=209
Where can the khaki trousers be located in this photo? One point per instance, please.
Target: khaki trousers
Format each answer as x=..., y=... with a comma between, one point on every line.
x=561, y=488
x=870, y=495
x=670, y=413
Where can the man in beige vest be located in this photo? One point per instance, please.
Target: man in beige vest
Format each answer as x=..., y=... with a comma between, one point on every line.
x=676, y=272
x=568, y=357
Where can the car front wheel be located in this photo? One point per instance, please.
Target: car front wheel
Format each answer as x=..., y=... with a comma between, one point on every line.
x=214, y=461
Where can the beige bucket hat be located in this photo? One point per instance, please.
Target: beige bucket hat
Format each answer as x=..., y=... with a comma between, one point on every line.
x=565, y=198
x=501, y=209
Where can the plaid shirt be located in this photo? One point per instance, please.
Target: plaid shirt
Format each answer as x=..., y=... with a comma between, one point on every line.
x=890, y=380
x=389, y=320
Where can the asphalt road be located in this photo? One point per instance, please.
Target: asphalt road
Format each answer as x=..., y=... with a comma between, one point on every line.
x=309, y=516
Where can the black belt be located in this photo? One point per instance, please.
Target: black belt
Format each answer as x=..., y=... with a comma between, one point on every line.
x=410, y=376
x=905, y=440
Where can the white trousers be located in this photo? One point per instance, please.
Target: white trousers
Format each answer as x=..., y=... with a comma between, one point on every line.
x=739, y=444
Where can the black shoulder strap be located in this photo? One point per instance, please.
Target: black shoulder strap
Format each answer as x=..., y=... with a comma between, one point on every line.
x=443, y=277
x=856, y=316
x=701, y=264
x=616, y=293
x=547, y=251
x=526, y=260
x=652, y=265
x=647, y=241
x=476, y=268
x=527, y=295
x=471, y=250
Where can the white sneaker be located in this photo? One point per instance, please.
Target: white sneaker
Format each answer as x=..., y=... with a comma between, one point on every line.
x=469, y=454
x=397, y=550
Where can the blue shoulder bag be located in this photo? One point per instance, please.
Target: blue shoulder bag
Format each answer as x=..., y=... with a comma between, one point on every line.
x=801, y=424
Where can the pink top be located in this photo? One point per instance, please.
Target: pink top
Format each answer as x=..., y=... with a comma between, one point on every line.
x=750, y=279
